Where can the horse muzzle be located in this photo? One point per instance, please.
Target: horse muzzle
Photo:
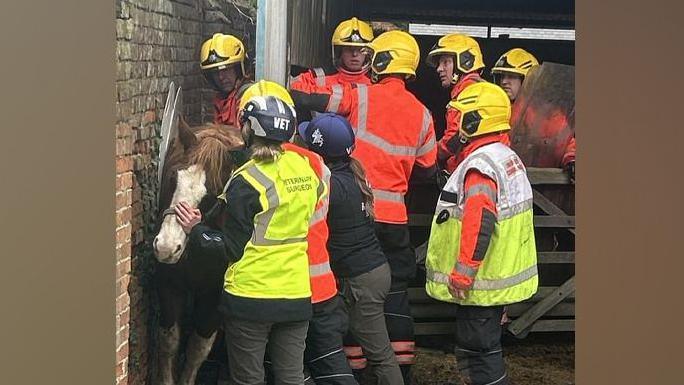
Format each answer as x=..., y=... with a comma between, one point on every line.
x=168, y=251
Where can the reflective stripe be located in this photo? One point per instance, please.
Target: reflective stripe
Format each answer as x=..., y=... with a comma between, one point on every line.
x=466, y=270
x=481, y=284
x=335, y=98
x=319, y=215
x=481, y=189
x=405, y=359
x=319, y=269
x=508, y=212
x=262, y=220
x=403, y=346
x=334, y=375
x=427, y=147
x=363, y=108
x=357, y=363
x=320, y=76
x=425, y=127
x=388, y=196
x=382, y=144
x=325, y=355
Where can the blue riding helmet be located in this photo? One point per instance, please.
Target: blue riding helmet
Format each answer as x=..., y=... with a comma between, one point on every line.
x=329, y=135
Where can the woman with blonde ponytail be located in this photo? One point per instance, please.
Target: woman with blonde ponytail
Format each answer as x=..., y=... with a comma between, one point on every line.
x=355, y=254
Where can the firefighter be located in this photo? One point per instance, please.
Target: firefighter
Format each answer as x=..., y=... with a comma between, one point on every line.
x=349, y=59
x=458, y=61
x=481, y=252
x=325, y=361
x=395, y=139
x=263, y=222
x=223, y=63
x=355, y=253
x=509, y=72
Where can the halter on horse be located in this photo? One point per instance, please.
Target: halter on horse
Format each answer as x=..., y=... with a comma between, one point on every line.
x=195, y=170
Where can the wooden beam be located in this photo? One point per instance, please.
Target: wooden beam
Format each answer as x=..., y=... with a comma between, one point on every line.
x=547, y=206
x=554, y=325
x=547, y=176
x=442, y=328
x=447, y=310
x=554, y=221
x=519, y=325
x=545, y=257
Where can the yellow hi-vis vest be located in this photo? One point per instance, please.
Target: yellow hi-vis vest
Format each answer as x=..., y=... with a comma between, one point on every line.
x=508, y=273
x=275, y=264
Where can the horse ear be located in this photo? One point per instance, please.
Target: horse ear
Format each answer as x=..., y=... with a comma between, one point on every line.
x=185, y=134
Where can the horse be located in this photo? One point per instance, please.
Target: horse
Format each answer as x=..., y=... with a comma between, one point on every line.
x=197, y=166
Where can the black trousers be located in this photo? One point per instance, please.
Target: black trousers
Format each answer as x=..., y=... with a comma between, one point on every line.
x=396, y=244
x=324, y=357
x=478, y=350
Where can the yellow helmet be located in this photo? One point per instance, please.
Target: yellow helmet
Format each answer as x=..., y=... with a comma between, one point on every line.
x=394, y=52
x=465, y=49
x=222, y=50
x=350, y=33
x=516, y=61
x=265, y=88
x=484, y=108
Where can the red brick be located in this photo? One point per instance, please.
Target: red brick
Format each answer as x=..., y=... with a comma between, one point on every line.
x=124, y=130
x=123, y=164
x=123, y=216
x=148, y=117
x=122, y=303
x=137, y=194
x=123, y=251
x=121, y=369
x=124, y=181
x=123, y=319
x=137, y=208
x=124, y=199
x=123, y=234
x=124, y=146
x=122, y=352
x=123, y=268
x=122, y=335
x=122, y=284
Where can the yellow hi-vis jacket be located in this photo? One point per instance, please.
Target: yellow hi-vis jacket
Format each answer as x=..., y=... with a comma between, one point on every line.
x=274, y=264
x=508, y=273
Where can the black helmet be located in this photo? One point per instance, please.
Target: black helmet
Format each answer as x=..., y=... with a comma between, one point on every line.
x=269, y=118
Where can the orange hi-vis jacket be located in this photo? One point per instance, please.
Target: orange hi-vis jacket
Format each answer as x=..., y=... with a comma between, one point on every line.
x=225, y=109
x=394, y=131
x=318, y=77
x=323, y=284
x=447, y=144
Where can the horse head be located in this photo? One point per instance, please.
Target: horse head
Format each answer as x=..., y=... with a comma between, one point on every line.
x=195, y=171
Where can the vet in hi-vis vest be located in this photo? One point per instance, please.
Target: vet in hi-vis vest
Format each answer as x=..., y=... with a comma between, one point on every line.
x=274, y=264
x=508, y=273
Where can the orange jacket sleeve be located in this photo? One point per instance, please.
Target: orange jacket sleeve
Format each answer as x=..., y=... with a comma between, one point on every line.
x=479, y=218
x=304, y=82
x=569, y=155
x=426, y=154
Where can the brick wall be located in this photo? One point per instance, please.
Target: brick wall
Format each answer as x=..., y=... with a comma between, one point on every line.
x=156, y=41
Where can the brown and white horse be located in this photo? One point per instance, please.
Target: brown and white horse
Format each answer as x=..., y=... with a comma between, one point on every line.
x=196, y=168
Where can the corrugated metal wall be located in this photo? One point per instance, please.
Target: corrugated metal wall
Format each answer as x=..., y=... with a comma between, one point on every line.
x=311, y=25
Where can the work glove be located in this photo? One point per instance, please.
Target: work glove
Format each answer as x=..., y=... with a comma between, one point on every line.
x=570, y=169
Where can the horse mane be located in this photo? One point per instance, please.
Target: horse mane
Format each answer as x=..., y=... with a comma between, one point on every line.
x=213, y=153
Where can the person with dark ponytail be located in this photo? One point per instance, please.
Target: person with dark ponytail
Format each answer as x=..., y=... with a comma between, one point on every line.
x=356, y=257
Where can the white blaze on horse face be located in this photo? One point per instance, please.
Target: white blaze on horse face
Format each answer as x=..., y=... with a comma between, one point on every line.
x=170, y=242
